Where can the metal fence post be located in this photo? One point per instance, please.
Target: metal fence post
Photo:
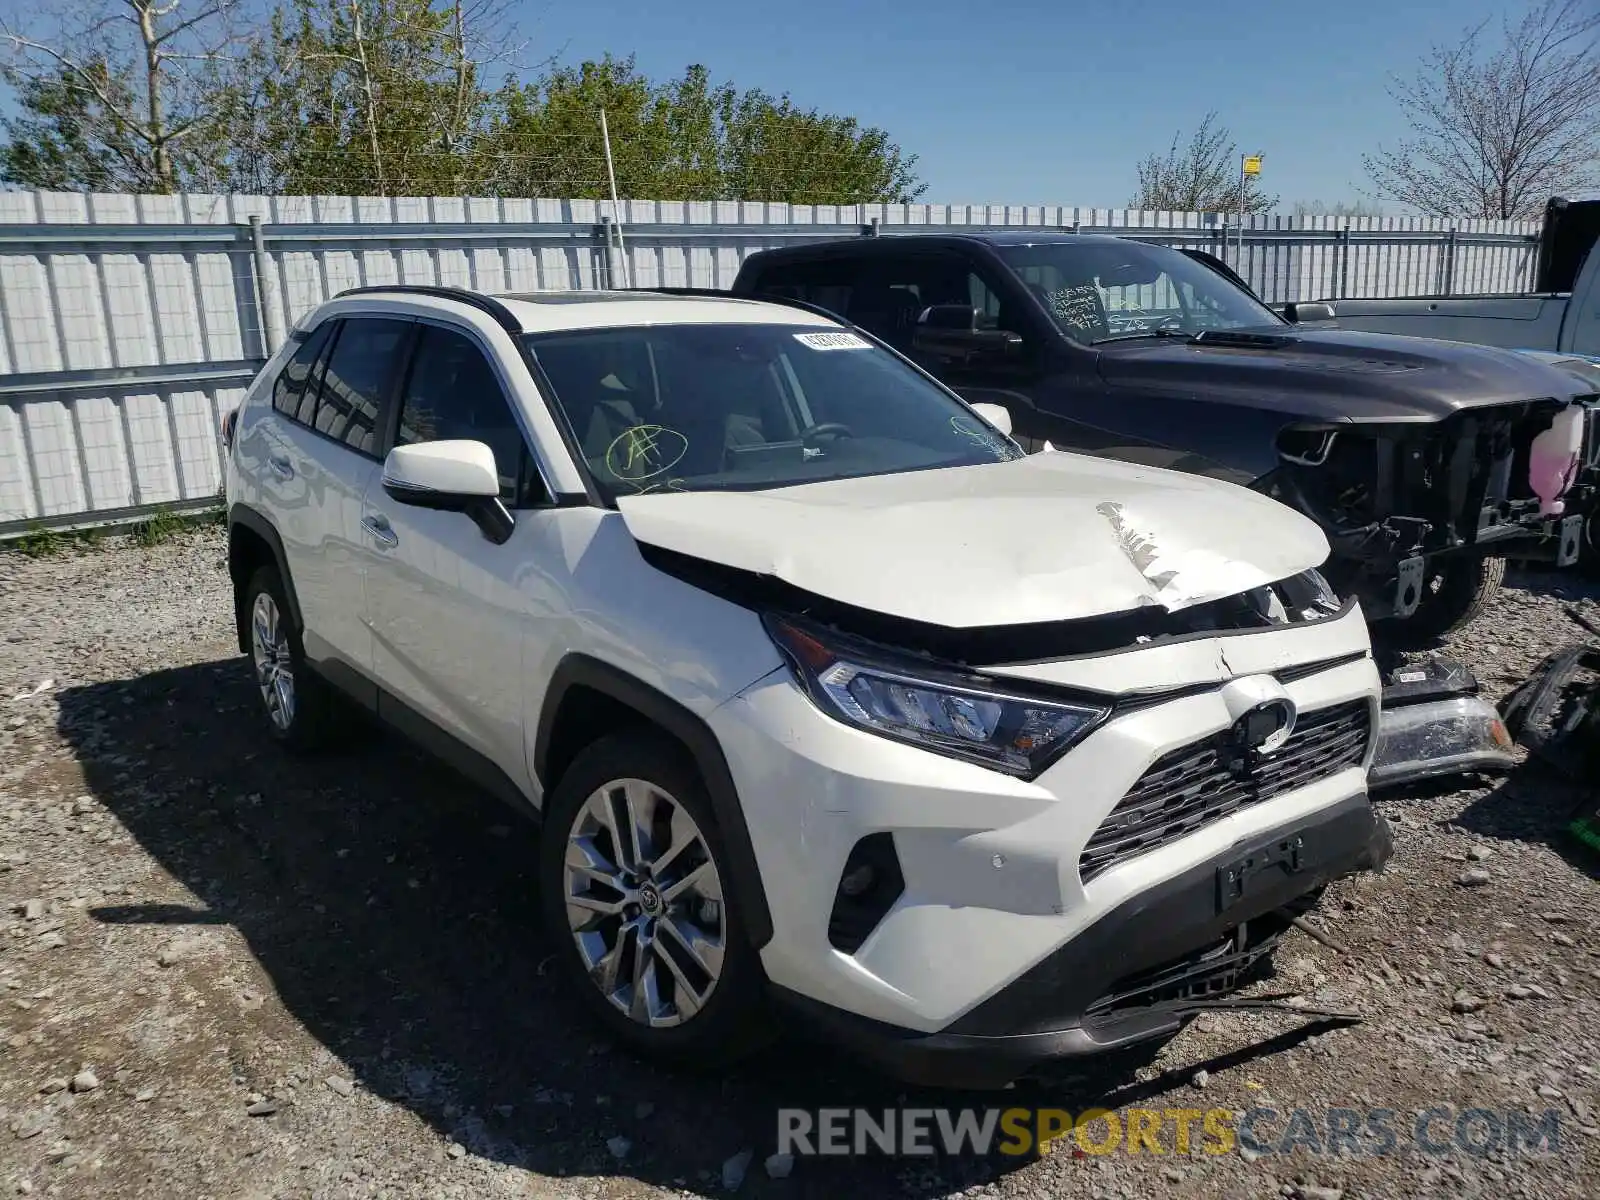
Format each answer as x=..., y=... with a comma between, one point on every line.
x=609, y=258
x=1449, y=264
x=266, y=327
x=1344, y=263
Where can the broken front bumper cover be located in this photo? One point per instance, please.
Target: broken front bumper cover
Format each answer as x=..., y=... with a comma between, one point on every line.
x=1137, y=974
x=1434, y=723
x=1556, y=712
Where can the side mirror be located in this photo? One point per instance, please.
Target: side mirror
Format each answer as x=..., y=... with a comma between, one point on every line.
x=1303, y=311
x=450, y=476
x=997, y=415
x=954, y=331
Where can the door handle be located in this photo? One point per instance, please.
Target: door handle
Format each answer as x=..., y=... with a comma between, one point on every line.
x=377, y=528
x=281, y=465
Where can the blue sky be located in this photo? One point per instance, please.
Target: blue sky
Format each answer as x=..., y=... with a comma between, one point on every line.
x=1038, y=102
x=1041, y=101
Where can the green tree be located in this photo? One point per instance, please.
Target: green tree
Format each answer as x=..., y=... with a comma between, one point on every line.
x=687, y=139
x=118, y=95
x=546, y=139
x=64, y=139
x=398, y=97
x=369, y=97
x=772, y=149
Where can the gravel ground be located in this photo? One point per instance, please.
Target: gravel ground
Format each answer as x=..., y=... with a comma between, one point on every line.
x=227, y=973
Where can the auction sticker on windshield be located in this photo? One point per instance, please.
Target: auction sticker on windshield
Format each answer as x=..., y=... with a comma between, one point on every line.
x=833, y=341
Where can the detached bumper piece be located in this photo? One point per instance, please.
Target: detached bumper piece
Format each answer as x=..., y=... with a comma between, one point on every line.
x=1138, y=973
x=1434, y=723
x=1556, y=714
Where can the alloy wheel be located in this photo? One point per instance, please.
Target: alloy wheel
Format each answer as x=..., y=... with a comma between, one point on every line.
x=269, y=651
x=644, y=903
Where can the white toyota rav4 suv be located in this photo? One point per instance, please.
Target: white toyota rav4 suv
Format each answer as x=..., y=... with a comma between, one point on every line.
x=826, y=694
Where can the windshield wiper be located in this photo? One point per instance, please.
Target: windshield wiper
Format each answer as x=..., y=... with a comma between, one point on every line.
x=1148, y=333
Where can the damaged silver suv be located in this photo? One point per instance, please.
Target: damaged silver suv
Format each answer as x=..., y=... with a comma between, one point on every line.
x=828, y=697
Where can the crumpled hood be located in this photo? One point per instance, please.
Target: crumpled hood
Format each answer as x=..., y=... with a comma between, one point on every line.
x=1050, y=537
x=1332, y=375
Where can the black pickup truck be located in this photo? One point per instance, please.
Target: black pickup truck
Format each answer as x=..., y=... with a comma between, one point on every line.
x=1559, y=318
x=1412, y=455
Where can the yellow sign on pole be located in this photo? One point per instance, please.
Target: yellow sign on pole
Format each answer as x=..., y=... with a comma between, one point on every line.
x=1252, y=164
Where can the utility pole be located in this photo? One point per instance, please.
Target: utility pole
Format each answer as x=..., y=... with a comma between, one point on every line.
x=616, y=206
x=1249, y=168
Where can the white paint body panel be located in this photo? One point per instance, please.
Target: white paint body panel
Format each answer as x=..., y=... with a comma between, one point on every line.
x=811, y=788
x=1049, y=537
x=454, y=468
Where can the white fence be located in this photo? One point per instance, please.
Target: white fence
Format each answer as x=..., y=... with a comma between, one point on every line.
x=130, y=324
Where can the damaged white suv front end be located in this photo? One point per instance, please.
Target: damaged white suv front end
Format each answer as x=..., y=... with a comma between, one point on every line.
x=1059, y=747
x=822, y=690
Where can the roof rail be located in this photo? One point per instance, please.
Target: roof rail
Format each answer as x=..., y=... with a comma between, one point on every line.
x=789, y=301
x=488, y=304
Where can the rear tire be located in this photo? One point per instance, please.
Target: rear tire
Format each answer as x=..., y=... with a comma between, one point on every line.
x=1456, y=596
x=649, y=934
x=302, y=711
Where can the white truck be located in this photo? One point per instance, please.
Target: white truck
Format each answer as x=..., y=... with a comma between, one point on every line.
x=1559, y=320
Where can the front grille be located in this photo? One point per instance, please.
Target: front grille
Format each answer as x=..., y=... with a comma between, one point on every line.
x=1206, y=780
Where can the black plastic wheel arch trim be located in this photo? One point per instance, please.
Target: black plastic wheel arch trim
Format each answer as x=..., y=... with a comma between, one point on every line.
x=580, y=670
x=246, y=517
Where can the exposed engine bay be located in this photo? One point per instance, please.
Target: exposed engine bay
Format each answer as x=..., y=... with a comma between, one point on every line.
x=1513, y=480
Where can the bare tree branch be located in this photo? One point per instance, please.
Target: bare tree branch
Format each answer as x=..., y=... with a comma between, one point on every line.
x=1201, y=177
x=1499, y=128
x=143, y=74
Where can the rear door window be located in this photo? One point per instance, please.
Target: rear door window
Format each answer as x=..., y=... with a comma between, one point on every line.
x=357, y=377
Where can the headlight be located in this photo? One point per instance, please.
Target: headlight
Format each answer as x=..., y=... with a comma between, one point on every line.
x=1309, y=597
x=947, y=713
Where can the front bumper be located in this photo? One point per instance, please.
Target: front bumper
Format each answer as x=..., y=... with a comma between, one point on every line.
x=994, y=875
x=1057, y=1010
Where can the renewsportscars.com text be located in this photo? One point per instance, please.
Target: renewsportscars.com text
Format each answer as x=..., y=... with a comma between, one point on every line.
x=1171, y=1131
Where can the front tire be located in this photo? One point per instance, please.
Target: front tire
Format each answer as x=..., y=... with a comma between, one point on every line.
x=636, y=898
x=1589, y=552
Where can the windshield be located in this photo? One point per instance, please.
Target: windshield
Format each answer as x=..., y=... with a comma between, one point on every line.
x=720, y=407
x=1107, y=290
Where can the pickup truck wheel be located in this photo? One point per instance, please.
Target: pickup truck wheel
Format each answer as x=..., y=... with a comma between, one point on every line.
x=302, y=711
x=1459, y=590
x=636, y=901
x=1589, y=552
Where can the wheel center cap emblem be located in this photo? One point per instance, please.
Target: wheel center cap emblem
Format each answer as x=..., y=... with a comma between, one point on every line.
x=650, y=899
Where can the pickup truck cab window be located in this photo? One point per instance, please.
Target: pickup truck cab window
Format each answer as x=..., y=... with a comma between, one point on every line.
x=1102, y=291
x=828, y=284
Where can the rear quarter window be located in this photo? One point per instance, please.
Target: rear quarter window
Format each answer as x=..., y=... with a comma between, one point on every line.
x=290, y=385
